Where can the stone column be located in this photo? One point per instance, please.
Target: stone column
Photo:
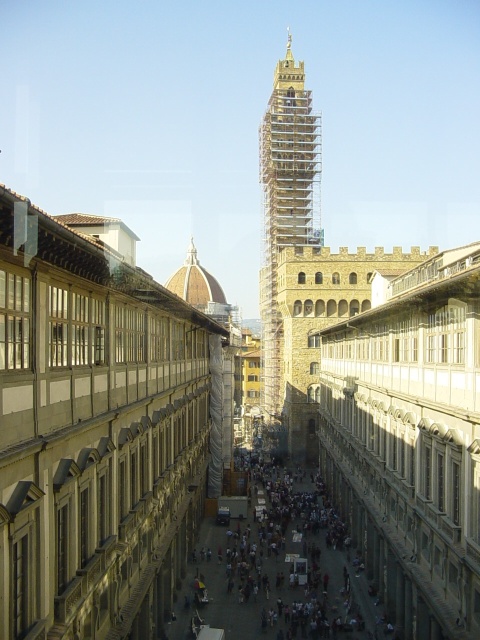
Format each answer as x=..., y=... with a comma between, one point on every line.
x=400, y=603
x=376, y=558
x=370, y=550
x=182, y=550
x=381, y=565
x=423, y=620
x=355, y=524
x=435, y=629
x=391, y=584
x=408, y=609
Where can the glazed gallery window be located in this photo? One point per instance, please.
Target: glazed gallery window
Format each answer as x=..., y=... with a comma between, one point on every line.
x=58, y=319
x=15, y=304
x=129, y=335
x=98, y=326
x=159, y=339
x=445, y=339
x=80, y=330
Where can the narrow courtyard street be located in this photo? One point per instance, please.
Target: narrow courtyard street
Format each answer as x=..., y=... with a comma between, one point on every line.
x=242, y=617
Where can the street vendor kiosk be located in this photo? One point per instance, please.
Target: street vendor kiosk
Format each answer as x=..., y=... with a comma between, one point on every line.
x=300, y=567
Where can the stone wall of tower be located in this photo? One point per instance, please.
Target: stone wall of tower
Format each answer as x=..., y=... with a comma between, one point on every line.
x=310, y=306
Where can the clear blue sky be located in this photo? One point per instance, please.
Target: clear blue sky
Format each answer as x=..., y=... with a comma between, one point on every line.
x=149, y=111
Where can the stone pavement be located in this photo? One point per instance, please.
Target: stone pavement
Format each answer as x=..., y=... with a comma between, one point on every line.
x=243, y=620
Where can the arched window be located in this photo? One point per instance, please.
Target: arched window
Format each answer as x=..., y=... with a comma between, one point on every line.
x=314, y=368
x=366, y=305
x=301, y=278
x=352, y=278
x=319, y=308
x=297, y=308
x=319, y=277
x=369, y=277
x=342, y=308
x=354, y=307
x=313, y=393
x=331, y=308
x=335, y=278
x=308, y=308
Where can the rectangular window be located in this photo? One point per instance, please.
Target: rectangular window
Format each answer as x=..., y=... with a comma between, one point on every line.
x=62, y=548
x=430, y=349
x=252, y=378
x=428, y=471
x=456, y=493
x=144, y=470
x=119, y=334
x=393, y=437
x=401, y=447
x=414, y=349
x=411, y=463
x=440, y=482
x=313, y=342
x=14, y=321
x=58, y=314
x=103, y=507
x=396, y=350
x=443, y=348
x=459, y=347
x=133, y=478
x=129, y=335
x=98, y=326
x=122, y=489
x=84, y=527
x=20, y=569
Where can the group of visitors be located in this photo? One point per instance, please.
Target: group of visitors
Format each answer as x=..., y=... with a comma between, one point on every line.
x=298, y=604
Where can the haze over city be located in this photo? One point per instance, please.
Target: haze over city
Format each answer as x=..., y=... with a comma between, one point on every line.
x=150, y=112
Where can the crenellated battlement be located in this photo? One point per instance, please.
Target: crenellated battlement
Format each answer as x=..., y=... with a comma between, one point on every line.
x=318, y=254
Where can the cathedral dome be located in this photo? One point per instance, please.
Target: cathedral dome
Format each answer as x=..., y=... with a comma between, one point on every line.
x=194, y=284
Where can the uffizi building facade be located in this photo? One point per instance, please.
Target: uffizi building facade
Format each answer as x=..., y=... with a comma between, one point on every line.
x=399, y=433
x=105, y=429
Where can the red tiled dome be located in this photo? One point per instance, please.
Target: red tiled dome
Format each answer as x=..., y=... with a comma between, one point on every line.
x=194, y=284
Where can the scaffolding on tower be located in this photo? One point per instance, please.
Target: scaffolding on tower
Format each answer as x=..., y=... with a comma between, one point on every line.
x=290, y=174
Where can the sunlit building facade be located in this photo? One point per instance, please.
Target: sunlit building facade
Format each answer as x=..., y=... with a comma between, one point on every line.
x=105, y=429
x=399, y=436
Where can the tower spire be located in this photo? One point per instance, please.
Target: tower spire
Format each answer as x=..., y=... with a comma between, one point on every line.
x=289, y=55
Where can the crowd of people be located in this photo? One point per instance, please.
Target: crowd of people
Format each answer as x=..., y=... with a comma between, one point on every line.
x=307, y=609
x=300, y=601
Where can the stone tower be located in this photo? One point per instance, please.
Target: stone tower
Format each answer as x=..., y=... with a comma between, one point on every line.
x=290, y=171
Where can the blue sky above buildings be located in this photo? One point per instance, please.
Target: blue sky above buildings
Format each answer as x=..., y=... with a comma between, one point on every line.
x=149, y=111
